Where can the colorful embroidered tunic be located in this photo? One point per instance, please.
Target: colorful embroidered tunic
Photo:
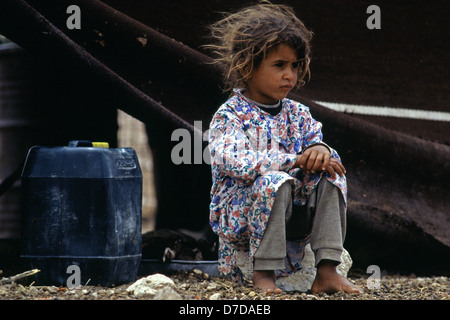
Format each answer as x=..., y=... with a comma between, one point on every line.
x=252, y=155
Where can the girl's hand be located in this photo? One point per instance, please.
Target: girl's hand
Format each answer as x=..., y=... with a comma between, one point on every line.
x=335, y=167
x=318, y=158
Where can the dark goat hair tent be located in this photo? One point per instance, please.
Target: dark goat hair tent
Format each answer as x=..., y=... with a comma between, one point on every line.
x=399, y=184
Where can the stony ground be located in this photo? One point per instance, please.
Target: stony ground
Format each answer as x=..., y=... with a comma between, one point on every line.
x=196, y=285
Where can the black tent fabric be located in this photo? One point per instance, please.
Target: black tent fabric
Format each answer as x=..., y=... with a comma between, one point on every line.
x=398, y=214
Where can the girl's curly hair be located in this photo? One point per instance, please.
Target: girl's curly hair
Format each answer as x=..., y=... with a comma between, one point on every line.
x=241, y=40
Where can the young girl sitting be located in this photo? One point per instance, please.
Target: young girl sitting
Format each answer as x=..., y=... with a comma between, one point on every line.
x=276, y=185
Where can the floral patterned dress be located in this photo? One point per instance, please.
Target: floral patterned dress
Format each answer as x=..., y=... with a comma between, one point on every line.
x=252, y=155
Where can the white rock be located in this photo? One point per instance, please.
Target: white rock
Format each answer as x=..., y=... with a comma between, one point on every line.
x=167, y=293
x=148, y=286
x=301, y=280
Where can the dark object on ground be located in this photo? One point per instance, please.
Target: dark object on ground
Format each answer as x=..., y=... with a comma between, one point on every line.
x=167, y=245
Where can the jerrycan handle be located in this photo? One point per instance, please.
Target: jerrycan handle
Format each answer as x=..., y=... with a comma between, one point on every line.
x=88, y=143
x=80, y=143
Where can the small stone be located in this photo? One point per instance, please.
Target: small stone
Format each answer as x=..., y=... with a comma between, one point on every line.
x=76, y=295
x=215, y=296
x=197, y=272
x=50, y=289
x=33, y=290
x=212, y=286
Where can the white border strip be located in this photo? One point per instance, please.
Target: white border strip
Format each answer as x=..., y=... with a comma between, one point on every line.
x=387, y=111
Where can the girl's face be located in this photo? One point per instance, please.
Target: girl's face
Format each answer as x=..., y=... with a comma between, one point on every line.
x=275, y=76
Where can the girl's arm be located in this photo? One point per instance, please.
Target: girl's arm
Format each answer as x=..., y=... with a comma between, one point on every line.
x=316, y=155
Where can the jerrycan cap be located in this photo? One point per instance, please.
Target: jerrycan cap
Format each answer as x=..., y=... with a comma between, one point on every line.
x=100, y=144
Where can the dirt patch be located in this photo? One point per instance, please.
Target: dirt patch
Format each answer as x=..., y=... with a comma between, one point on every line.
x=196, y=285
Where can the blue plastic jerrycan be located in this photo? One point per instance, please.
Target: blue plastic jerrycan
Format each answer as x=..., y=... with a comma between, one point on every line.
x=82, y=207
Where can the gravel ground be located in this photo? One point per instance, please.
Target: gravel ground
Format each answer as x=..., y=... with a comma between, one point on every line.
x=196, y=285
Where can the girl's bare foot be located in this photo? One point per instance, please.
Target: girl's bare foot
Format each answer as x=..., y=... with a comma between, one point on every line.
x=329, y=281
x=265, y=280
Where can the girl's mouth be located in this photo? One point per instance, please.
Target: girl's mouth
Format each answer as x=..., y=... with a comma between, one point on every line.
x=286, y=87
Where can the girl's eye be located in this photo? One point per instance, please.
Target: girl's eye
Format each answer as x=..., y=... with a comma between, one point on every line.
x=279, y=64
x=295, y=65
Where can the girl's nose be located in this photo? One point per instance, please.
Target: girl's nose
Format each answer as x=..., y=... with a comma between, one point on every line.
x=289, y=74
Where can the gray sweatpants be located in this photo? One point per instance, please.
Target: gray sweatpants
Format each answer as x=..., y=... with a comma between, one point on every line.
x=324, y=217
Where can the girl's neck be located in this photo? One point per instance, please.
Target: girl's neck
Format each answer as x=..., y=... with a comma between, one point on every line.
x=267, y=106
